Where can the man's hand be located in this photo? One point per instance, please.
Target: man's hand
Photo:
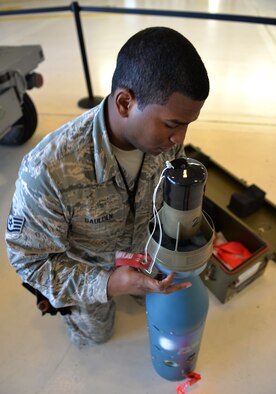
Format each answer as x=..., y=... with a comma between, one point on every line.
x=127, y=280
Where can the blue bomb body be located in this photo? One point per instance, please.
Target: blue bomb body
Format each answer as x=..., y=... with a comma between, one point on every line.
x=175, y=324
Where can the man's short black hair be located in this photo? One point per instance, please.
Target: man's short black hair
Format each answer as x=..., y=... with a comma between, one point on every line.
x=157, y=62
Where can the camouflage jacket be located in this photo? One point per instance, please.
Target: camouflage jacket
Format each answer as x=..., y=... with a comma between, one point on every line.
x=70, y=212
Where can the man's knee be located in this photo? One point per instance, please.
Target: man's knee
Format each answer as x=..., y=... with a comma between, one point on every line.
x=91, y=325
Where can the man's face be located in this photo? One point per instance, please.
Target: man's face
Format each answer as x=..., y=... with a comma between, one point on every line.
x=157, y=128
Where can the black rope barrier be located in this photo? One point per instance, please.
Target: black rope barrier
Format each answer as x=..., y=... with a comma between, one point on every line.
x=34, y=11
x=144, y=11
x=184, y=14
x=91, y=100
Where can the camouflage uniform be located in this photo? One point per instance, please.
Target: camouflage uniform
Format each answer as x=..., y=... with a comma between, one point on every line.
x=69, y=216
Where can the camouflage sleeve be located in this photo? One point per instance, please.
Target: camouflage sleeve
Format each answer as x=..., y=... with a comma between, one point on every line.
x=37, y=244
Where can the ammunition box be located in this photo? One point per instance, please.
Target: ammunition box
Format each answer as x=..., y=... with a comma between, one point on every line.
x=243, y=215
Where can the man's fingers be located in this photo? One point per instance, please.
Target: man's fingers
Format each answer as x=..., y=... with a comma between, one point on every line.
x=166, y=286
x=177, y=287
x=164, y=283
x=127, y=280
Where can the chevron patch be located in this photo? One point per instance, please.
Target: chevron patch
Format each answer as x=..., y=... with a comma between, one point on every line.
x=15, y=224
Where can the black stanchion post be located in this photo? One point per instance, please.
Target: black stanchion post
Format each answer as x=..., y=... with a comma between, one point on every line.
x=91, y=100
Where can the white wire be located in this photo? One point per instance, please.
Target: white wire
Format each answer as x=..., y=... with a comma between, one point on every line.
x=155, y=215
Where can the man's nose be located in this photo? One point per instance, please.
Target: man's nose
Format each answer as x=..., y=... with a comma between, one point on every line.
x=179, y=136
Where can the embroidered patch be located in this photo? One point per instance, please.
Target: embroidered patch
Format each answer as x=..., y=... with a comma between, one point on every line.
x=15, y=224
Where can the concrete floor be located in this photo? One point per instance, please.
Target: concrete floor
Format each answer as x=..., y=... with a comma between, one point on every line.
x=237, y=128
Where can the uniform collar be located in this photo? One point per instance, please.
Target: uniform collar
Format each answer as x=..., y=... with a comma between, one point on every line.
x=103, y=156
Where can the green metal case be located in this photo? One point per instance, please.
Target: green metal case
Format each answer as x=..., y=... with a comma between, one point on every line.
x=243, y=215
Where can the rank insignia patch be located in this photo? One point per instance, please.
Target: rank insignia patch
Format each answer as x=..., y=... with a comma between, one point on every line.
x=15, y=224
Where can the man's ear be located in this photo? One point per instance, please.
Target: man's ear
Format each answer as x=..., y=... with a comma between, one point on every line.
x=124, y=101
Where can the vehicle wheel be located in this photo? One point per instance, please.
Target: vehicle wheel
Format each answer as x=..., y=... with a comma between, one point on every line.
x=25, y=127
